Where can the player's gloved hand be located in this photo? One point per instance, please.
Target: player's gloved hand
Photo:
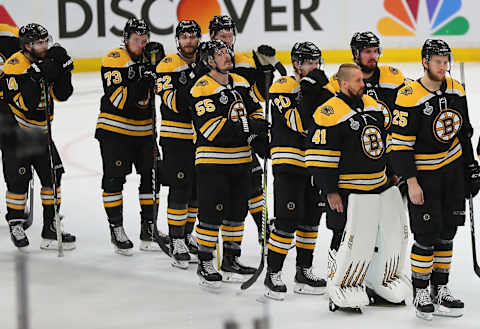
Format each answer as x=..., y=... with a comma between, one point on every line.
x=59, y=55
x=154, y=48
x=472, y=179
x=259, y=127
x=264, y=56
x=318, y=76
x=147, y=81
x=260, y=146
x=47, y=70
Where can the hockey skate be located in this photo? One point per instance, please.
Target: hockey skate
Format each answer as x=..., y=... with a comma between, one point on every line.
x=179, y=252
x=121, y=242
x=444, y=302
x=234, y=271
x=147, y=240
x=49, y=238
x=423, y=304
x=192, y=245
x=275, y=288
x=17, y=233
x=208, y=274
x=308, y=283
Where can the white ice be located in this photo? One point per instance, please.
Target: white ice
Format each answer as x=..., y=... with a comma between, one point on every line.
x=92, y=287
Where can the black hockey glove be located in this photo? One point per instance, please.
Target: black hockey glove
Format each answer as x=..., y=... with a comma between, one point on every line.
x=59, y=55
x=154, y=48
x=472, y=179
x=259, y=127
x=147, y=82
x=318, y=76
x=260, y=146
x=47, y=70
x=266, y=60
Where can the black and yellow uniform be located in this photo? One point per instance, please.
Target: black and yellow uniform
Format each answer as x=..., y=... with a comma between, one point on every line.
x=124, y=131
x=382, y=86
x=245, y=67
x=430, y=140
x=176, y=139
x=26, y=100
x=346, y=150
x=9, y=45
x=297, y=202
x=223, y=160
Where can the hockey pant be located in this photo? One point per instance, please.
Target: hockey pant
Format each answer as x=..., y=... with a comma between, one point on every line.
x=118, y=155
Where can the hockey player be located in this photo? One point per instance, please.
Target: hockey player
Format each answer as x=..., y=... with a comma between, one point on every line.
x=298, y=207
x=30, y=75
x=431, y=147
x=124, y=131
x=223, y=28
x=225, y=121
x=174, y=76
x=346, y=156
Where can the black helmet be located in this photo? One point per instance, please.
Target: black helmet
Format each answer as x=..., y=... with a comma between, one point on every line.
x=362, y=40
x=207, y=49
x=433, y=47
x=135, y=25
x=223, y=22
x=32, y=32
x=188, y=26
x=305, y=51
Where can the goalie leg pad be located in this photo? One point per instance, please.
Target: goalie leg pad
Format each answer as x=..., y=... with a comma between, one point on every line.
x=346, y=281
x=384, y=272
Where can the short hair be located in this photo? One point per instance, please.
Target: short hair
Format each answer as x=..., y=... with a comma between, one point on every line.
x=345, y=71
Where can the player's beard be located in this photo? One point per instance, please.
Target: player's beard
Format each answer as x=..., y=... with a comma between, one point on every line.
x=435, y=77
x=370, y=67
x=188, y=52
x=356, y=95
x=39, y=54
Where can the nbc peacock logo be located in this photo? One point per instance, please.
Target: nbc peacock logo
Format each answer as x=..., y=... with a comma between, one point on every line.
x=422, y=17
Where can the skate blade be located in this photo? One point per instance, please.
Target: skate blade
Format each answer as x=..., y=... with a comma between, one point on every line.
x=447, y=312
x=47, y=244
x=149, y=246
x=211, y=286
x=231, y=277
x=180, y=264
x=124, y=252
x=424, y=316
x=274, y=295
x=305, y=289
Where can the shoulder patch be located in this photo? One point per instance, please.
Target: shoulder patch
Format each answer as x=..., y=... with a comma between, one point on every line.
x=393, y=70
x=282, y=80
x=407, y=91
x=167, y=60
x=203, y=83
x=117, y=57
x=114, y=54
x=13, y=61
x=327, y=110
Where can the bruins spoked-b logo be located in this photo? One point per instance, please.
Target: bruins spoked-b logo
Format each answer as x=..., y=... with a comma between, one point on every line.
x=237, y=109
x=446, y=125
x=386, y=114
x=372, y=142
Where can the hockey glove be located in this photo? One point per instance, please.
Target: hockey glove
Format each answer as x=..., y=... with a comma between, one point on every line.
x=261, y=146
x=318, y=76
x=472, y=179
x=265, y=58
x=154, y=48
x=259, y=127
x=59, y=55
x=44, y=70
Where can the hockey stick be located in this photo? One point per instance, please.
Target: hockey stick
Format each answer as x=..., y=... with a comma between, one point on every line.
x=58, y=227
x=476, y=268
x=31, y=192
x=158, y=239
x=247, y=284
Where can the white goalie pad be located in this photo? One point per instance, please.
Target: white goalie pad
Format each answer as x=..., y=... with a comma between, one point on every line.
x=345, y=285
x=385, y=274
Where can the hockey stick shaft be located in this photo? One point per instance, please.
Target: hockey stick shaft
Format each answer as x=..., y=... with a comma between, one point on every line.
x=247, y=284
x=53, y=170
x=476, y=268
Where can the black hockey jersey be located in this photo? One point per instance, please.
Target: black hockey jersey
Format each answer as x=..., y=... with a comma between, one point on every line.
x=245, y=67
x=429, y=128
x=125, y=106
x=346, y=147
x=287, y=132
x=26, y=97
x=173, y=86
x=382, y=86
x=216, y=111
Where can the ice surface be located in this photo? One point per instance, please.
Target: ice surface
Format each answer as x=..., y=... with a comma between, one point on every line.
x=92, y=287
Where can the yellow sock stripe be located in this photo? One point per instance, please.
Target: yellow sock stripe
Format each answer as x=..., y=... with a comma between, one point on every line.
x=113, y=204
x=442, y=265
x=421, y=258
x=176, y=222
x=191, y=219
x=276, y=249
x=448, y=253
x=421, y=269
x=177, y=211
x=148, y=202
x=232, y=238
x=16, y=196
x=256, y=210
x=307, y=234
x=280, y=239
x=256, y=199
x=232, y=228
x=15, y=206
x=209, y=244
x=206, y=232
x=305, y=245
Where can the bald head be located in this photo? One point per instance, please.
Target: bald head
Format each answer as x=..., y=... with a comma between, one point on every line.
x=350, y=79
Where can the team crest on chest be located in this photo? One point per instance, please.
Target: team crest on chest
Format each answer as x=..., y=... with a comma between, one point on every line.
x=446, y=125
x=237, y=110
x=372, y=142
